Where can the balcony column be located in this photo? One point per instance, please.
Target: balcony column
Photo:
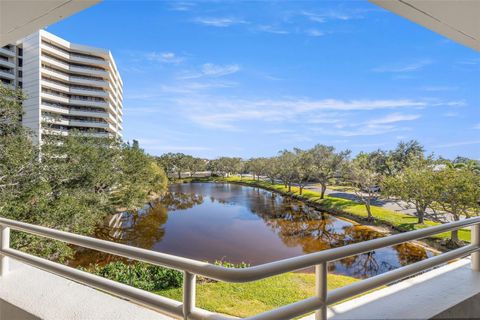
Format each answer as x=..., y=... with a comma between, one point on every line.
x=189, y=284
x=4, y=244
x=321, y=289
x=475, y=240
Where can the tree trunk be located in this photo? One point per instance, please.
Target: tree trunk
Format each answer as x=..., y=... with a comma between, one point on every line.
x=179, y=174
x=369, y=210
x=421, y=215
x=455, y=236
x=324, y=188
x=289, y=187
x=301, y=190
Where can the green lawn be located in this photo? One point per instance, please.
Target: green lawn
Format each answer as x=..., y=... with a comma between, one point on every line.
x=247, y=299
x=400, y=221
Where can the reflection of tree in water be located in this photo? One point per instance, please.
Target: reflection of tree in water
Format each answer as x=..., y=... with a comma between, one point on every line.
x=300, y=225
x=373, y=263
x=142, y=228
x=179, y=201
x=297, y=224
x=410, y=253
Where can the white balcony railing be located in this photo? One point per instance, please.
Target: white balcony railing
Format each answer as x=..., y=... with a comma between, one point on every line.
x=191, y=268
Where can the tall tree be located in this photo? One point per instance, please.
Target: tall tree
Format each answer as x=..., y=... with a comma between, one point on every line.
x=304, y=167
x=459, y=194
x=257, y=167
x=287, y=163
x=417, y=185
x=328, y=163
x=365, y=181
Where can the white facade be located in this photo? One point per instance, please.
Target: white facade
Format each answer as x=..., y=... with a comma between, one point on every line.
x=68, y=86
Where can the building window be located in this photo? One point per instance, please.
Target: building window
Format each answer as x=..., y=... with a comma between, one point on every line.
x=20, y=62
x=20, y=73
x=20, y=51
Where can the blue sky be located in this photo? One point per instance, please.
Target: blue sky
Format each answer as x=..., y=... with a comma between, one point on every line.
x=249, y=78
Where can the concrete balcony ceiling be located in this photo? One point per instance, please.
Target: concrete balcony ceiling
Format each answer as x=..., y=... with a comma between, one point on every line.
x=456, y=20
x=18, y=19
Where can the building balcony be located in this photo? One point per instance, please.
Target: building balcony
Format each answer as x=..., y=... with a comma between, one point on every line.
x=6, y=52
x=29, y=284
x=7, y=75
x=73, y=57
x=89, y=60
x=84, y=70
x=89, y=113
x=8, y=64
x=74, y=101
x=71, y=89
x=89, y=124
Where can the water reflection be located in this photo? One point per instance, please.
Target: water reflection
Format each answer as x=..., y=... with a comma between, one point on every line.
x=207, y=221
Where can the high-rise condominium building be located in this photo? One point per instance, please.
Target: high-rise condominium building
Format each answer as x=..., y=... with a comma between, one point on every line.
x=68, y=86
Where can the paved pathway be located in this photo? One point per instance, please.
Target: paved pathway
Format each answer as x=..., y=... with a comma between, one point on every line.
x=397, y=206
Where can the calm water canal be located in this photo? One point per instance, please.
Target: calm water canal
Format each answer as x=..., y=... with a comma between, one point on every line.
x=210, y=221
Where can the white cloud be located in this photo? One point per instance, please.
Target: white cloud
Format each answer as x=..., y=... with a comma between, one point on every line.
x=226, y=113
x=272, y=29
x=328, y=15
x=315, y=33
x=439, y=88
x=164, y=57
x=393, y=118
x=399, y=68
x=211, y=70
x=219, y=22
x=457, y=144
x=181, y=6
x=451, y=114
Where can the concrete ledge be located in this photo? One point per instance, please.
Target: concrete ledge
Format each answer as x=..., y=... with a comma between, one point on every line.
x=29, y=293
x=448, y=292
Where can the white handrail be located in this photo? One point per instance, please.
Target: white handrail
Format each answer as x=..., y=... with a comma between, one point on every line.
x=191, y=268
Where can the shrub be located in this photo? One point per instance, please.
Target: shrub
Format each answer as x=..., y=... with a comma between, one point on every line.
x=140, y=275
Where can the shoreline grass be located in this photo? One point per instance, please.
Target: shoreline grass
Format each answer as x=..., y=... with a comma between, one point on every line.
x=399, y=221
x=248, y=299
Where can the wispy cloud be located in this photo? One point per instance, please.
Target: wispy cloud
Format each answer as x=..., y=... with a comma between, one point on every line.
x=211, y=70
x=226, y=113
x=399, y=68
x=457, y=144
x=477, y=126
x=393, y=118
x=439, y=88
x=451, y=114
x=322, y=17
x=469, y=62
x=359, y=130
x=272, y=29
x=163, y=57
x=181, y=6
x=221, y=22
x=315, y=32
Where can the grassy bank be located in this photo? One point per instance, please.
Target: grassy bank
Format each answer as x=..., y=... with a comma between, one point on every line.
x=247, y=299
x=399, y=221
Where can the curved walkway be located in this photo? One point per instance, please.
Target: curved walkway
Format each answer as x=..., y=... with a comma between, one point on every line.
x=397, y=206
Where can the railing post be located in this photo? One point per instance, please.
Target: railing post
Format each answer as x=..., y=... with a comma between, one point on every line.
x=189, y=284
x=475, y=240
x=4, y=244
x=321, y=289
